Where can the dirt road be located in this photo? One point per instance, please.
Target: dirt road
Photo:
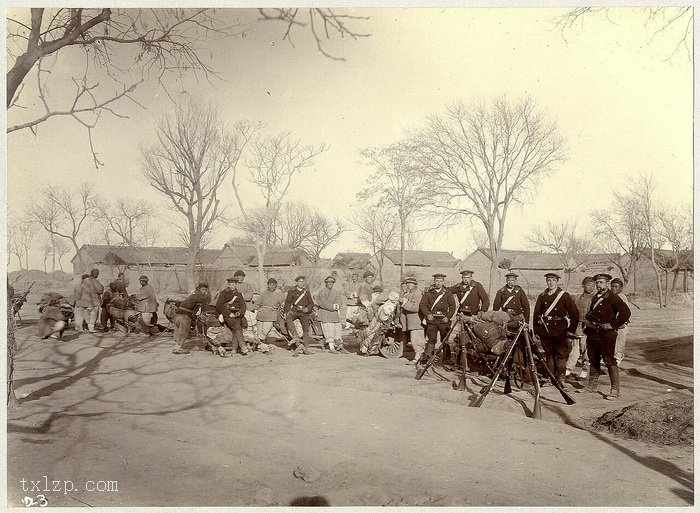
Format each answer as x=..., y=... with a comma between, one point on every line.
x=187, y=430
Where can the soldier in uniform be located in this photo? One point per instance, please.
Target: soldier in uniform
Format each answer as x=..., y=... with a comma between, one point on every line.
x=513, y=300
x=331, y=311
x=269, y=309
x=410, y=319
x=298, y=305
x=607, y=313
x=578, y=343
x=616, y=286
x=231, y=306
x=471, y=300
x=248, y=294
x=555, y=318
x=437, y=306
x=183, y=316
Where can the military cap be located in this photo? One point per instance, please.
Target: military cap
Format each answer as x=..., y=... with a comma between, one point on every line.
x=231, y=279
x=511, y=274
x=367, y=274
x=202, y=284
x=602, y=276
x=403, y=281
x=300, y=277
x=376, y=288
x=239, y=273
x=271, y=280
x=587, y=279
x=329, y=278
x=552, y=275
x=466, y=271
x=439, y=275
x=142, y=277
x=411, y=279
x=618, y=281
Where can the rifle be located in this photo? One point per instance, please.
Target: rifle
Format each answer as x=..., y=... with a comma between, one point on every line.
x=565, y=395
x=536, y=409
x=420, y=372
x=18, y=301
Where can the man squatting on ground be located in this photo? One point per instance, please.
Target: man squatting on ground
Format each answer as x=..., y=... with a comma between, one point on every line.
x=184, y=313
x=231, y=308
x=578, y=343
x=270, y=304
x=556, y=318
x=437, y=307
x=298, y=305
x=607, y=313
x=331, y=312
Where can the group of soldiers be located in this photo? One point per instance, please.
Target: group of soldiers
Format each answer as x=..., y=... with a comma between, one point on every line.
x=591, y=328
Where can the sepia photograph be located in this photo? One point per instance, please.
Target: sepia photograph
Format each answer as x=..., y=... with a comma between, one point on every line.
x=343, y=256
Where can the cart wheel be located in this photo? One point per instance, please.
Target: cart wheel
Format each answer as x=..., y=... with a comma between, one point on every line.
x=393, y=350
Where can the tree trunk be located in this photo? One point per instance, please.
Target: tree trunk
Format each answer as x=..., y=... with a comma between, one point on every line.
x=191, y=262
x=26, y=259
x=403, y=247
x=666, y=292
x=261, y=250
x=658, y=276
x=675, y=280
x=11, y=349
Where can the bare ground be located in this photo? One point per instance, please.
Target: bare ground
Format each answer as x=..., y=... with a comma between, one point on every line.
x=187, y=430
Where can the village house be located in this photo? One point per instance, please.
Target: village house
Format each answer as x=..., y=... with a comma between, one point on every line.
x=419, y=264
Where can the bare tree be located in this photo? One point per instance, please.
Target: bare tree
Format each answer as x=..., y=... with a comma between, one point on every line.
x=47, y=251
x=620, y=232
x=675, y=229
x=14, y=244
x=187, y=164
x=65, y=214
x=642, y=192
x=480, y=159
x=676, y=21
x=121, y=48
x=130, y=220
x=561, y=238
x=399, y=183
x=272, y=165
x=378, y=230
x=324, y=232
x=61, y=247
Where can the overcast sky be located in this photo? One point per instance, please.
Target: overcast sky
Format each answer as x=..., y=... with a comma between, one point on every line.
x=622, y=107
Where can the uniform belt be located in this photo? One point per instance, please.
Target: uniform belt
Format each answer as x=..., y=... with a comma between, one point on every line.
x=553, y=318
x=516, y=311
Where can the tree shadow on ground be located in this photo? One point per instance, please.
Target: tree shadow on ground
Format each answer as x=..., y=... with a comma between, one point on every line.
x=313, y=500
x=678, y=351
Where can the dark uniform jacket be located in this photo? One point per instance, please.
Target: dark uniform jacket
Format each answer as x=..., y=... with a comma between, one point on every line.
x=443, y=309
x=305, y=302
x=519, y=302
x=230, y=301
x=555, y=323
x=188, y=306
x=477, y=299
x=607, y=308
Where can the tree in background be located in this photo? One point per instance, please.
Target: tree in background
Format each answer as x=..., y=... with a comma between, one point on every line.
x=65, y=214
x=561, y=238
x=120, y=49
x=398, y=183
x=20, y=234
x=272, y=164
x=187, y=164
x=378, y=230
x=480, y=159
x=130, y=221
x=675, y=229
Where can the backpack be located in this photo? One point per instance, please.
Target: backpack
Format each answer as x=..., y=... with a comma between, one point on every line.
x=489, y=333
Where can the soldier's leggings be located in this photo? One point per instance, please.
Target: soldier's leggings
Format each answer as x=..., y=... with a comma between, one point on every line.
x=601, y=344
x=431, y=333
x=305, y=325
x=237, y=342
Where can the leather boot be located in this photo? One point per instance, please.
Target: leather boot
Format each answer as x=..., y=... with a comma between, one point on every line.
x=614, y=371
x=592, y=386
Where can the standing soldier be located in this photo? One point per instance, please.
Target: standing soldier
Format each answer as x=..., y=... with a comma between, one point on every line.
x=269, y=309
x=183, y=316
x=410, y=319
x=578, y=343
x=298, y=305
x=471, y=299
x=555, y=318
x=513, y=300
x=147, y=303
x=616, y=286
x=248, y=292
x=605, y=316
x=437, y=307
x=231, y=306
x=331, y=312
x=351, y=299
